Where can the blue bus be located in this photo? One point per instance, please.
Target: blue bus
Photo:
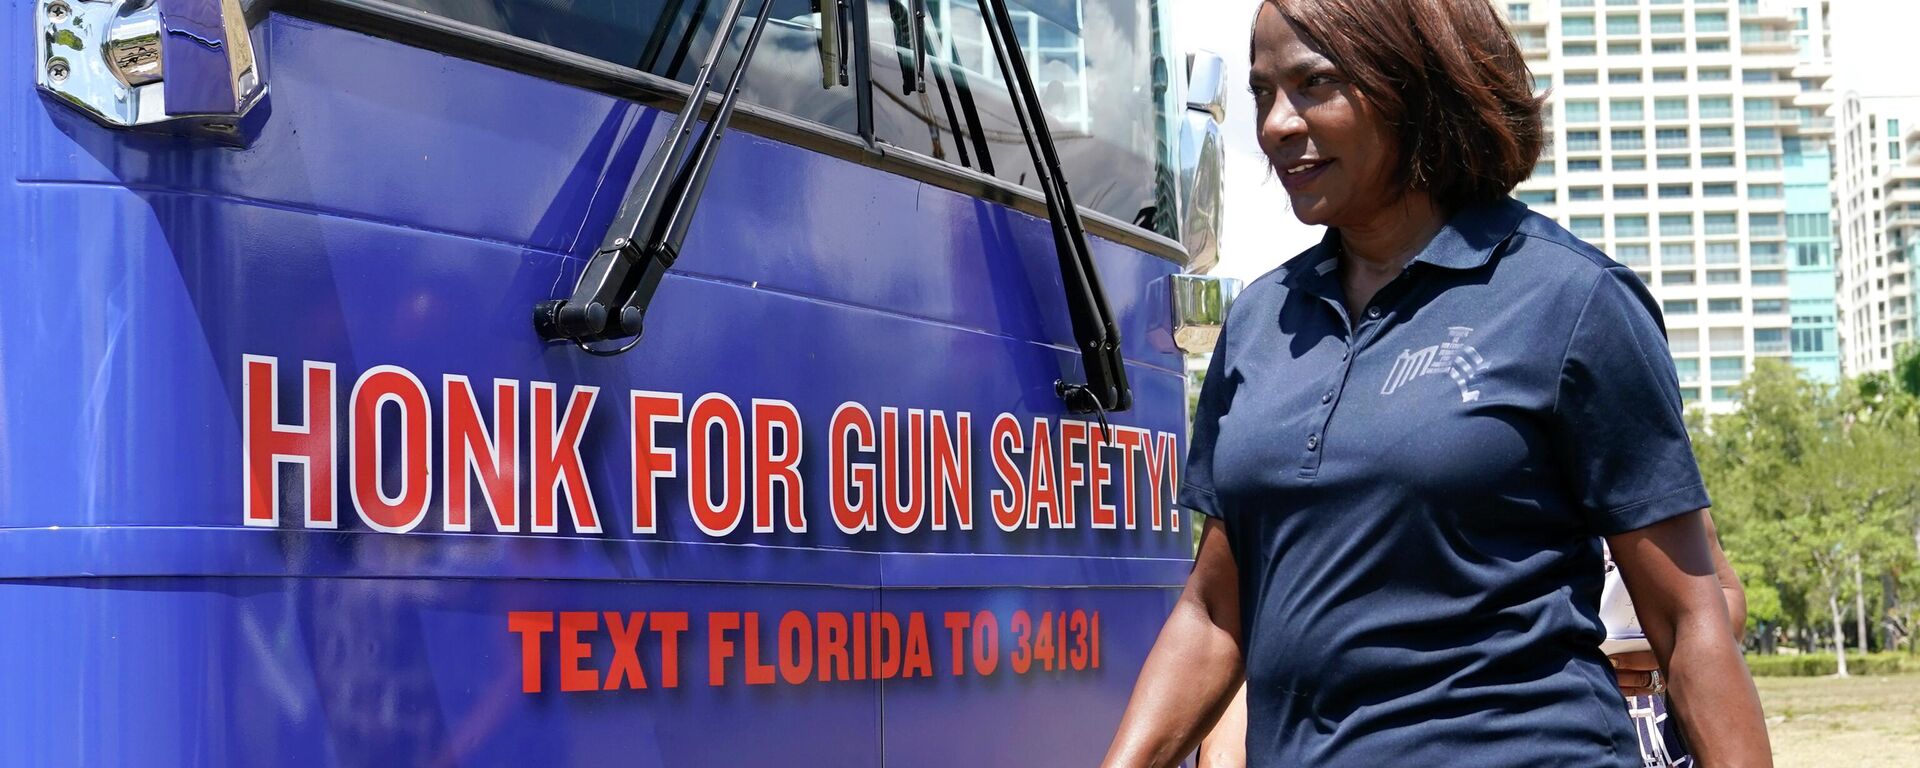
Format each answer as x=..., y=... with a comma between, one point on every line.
x=583, y=382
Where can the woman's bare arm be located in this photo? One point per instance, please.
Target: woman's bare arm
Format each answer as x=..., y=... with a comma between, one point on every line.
x=1194, y=666
x=1669, y=569
x=1226, y=745
x=1630, y=669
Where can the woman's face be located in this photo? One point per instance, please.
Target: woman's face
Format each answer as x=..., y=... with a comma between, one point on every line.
x=1334, y=155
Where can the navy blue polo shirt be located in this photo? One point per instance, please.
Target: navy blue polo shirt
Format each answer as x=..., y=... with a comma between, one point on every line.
x=1414, y=496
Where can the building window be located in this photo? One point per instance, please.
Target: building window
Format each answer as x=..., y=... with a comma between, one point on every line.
x=1670, y=108
x=1676, y=224
x=1716, y=137
x=1723, y=223
x=1726, y=394
x=1623, y=76
x=1769, y=340
x=1719, y=189
x=1630, y=226
x=1809, y=225
x=1716, y=161
x=1676, y=254
x=1711, y=46
x=1588, y=227
x=1809, y=340
x=1810, y=254
x=1629, y=138
x=1675, y=191
x=1587, y=77
x=1669, y=46
x=1630, y=163
x=1580, y=166
x=1765, y=192
x=1764, y=224
x=1716, y=107
x=1715, y=21
x=1630, y=192
x=1576, y=26
x=1672, y=307
x=1627, y=48
x=1682, y=340
x=1714, y=74
x=1893, y=127
x=1670, y=162
x=1623, y=24
x=1769, y=277
x=1765, y=254
x=1583, y=141
x=1728, y=368
x=1536, y=197
x=1763, y=162
x=1757, y=76
x=1577, y=49
x=1667, y=23
x=1723, y=276
x=1583, y=193
x=1669, y=75
x=1723, y=306
x=1542, y=169
x=1769, y=306
x=1583, y=111
x=1723, y=253
x=1688, y=369
x=1676, y=278
x=1726, y=340
x=1519, y=12
x=1632, y=255
x=1670, y=138
x=1627, y=110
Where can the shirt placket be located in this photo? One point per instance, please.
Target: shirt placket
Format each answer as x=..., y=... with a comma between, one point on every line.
x=1372, y=320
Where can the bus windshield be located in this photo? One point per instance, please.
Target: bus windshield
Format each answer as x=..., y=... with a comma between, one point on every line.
x=1100, y=65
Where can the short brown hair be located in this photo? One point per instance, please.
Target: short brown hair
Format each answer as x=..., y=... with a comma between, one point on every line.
x=1449, y=79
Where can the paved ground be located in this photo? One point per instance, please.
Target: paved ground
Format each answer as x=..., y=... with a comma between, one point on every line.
x=1823, y=722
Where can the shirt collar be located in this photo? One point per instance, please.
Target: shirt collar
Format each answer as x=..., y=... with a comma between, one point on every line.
x=1472, y=234
x=1466, y=241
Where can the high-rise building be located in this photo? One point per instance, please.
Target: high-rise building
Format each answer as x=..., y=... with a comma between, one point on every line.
x=1671, y=124
x=1814, y=338
x=1877, y=194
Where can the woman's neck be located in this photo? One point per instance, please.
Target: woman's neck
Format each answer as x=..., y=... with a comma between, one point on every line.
x=1385, y=242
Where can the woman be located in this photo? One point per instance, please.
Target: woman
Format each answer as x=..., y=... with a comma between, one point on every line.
x=1412, y=435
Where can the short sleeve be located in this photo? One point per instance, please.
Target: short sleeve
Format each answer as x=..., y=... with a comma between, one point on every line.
x=1618, y=423
x=1216, y=396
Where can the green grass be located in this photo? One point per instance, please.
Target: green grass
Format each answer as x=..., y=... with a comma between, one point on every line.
x=1865, y=721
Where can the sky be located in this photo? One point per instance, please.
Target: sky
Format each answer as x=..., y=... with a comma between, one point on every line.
x=1874, y=54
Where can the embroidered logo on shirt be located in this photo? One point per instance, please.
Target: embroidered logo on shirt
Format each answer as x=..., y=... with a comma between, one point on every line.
x=1453, y=357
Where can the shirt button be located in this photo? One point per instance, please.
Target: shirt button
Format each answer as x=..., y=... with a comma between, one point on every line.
x=1373, y=312
x=1326, y=398
x=1313, y=441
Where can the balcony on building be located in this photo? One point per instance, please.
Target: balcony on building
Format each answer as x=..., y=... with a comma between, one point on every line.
x=1763, y=38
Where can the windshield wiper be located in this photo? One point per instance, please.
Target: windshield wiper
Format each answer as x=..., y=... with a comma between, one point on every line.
x=610, y=300
x=1093, y=327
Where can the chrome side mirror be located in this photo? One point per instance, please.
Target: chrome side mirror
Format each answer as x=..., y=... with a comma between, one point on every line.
x=1200, y=305
x=132, y=63
x=1203, y=160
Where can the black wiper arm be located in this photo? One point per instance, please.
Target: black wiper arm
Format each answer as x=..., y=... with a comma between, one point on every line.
x=1093, y=327
x=610, y=300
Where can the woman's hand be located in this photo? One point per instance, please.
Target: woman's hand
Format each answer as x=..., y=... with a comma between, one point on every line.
x=1633, y=672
